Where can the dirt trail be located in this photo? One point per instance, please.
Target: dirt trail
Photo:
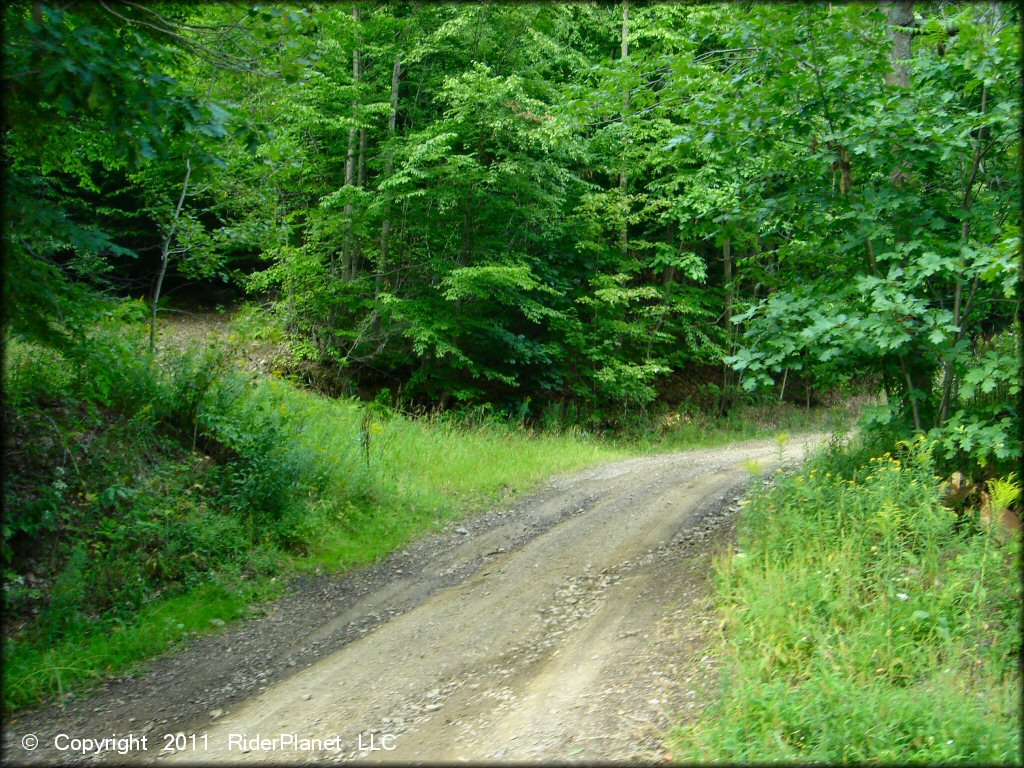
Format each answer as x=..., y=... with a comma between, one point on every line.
x=570, y=627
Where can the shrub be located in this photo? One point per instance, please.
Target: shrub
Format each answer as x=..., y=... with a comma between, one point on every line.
x=266, y=478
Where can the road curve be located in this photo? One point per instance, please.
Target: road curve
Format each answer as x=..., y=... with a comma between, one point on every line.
x=545, y=652
x=572, y=625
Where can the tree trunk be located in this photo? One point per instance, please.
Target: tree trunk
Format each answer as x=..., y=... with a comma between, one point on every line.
x=357, y=256
x=900, y=15
x=900, y=20
x=727, y=270
x=947, y=365
x=959, y=317
x=623, y=171
x=350, y=160
x=361, y=165
x=910, y=393
x=389, y=167
x=165, y=253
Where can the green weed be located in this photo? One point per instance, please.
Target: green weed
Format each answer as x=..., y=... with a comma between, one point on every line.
x=682, y=430
x=386, y=478
x=114, y=500
x=33, y=669
x=864, y=624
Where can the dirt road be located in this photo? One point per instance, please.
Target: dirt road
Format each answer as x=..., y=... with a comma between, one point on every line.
x=572, y=626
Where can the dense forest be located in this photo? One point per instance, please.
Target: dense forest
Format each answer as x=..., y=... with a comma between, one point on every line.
x=541, y=206
x=567, y=218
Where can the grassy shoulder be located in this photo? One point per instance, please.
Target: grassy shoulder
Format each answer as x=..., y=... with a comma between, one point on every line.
x=679, y=430
x=865, y=622
x=168, y=499
x=385, y=478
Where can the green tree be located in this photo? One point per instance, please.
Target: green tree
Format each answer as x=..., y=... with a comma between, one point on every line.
x=890, y=208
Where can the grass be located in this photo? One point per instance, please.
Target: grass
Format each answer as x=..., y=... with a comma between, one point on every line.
x=156, y=549
x=866, y=622
x=387, y=478
x=680, y=431
x=85, y=657
x=168, y=541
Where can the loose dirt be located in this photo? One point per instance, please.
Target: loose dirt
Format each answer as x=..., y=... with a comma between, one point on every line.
x=571, y=626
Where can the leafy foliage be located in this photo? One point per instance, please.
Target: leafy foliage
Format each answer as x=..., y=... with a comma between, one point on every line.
x=903, y=193
x=540, y=204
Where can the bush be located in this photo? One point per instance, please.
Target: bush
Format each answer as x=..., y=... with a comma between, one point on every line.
x=189, y=377
x=107, y=507
x=266, y=479
x=32, y=372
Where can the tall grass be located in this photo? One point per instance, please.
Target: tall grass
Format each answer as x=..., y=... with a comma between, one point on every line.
x=139, y=528
x=385, y=478
x=682, y=430
x=865, y=622
x=34, y=670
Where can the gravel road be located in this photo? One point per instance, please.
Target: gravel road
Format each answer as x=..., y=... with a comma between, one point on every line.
x=572, y=626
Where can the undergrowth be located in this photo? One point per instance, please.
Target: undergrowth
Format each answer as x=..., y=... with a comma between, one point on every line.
x=679, y=430
x=150, y=498
x=866, y=622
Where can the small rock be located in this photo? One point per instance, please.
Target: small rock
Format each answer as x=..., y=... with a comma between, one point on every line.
x=215, y=713
x=307, y=696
